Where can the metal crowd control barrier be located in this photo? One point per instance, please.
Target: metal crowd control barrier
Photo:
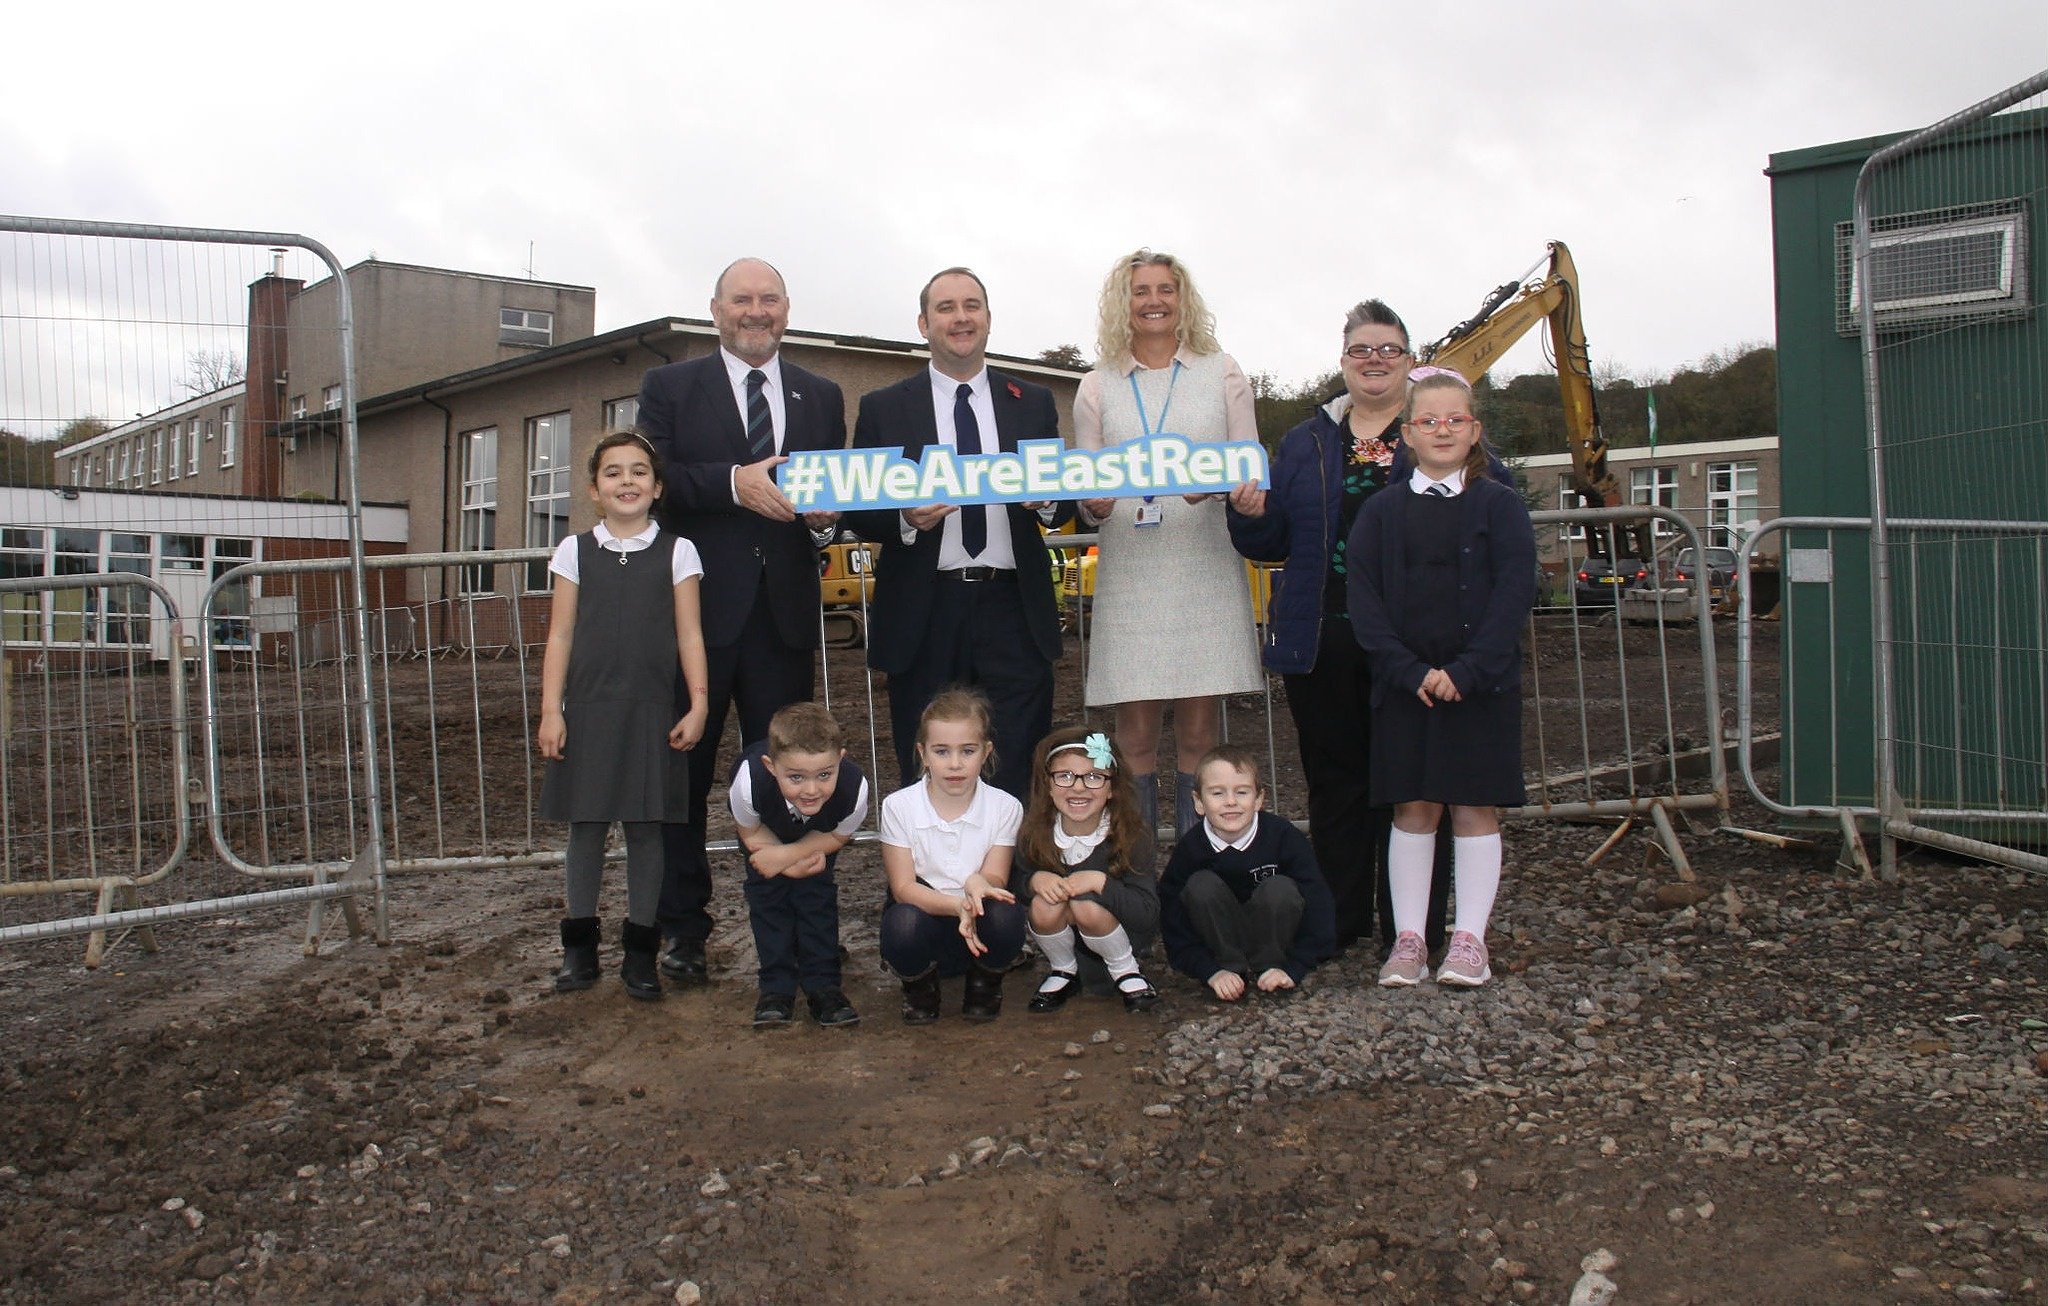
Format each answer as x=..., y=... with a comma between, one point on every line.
x=452, y=716
x=175, y=302
x=1814, y=572
x=105, y=778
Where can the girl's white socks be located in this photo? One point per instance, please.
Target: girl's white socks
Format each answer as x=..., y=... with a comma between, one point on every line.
x=1410, y=860
x=1475, y=868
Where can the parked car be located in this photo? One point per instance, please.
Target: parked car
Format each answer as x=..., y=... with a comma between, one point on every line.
x=1719, y=569
x=1602, y=581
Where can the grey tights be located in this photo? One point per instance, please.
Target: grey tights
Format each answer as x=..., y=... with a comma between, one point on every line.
x=643, y=867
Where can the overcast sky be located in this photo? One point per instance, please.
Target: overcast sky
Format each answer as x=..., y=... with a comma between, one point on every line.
x=1299, y=156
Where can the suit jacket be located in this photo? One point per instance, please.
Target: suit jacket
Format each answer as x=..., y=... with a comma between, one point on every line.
x=901, y=416
x=688, y=413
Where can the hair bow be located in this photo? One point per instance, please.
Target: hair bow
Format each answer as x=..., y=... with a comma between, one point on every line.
x=1097, y=748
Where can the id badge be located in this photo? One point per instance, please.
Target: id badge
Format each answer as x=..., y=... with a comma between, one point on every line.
x=1150, y=514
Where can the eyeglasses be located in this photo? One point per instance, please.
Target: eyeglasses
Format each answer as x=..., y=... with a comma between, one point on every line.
x=1455, y=424
x=1359, y=353
x=1086, y=779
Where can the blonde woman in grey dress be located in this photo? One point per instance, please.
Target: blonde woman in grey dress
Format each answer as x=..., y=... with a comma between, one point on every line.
x=1172, y=617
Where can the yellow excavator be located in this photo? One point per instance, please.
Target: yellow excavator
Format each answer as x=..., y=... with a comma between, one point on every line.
x=1508, y=314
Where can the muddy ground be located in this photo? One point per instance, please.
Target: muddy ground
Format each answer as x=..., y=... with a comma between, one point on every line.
x=1786, y=1084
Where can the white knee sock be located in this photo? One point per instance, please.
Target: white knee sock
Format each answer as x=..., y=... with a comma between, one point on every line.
x=1475, y=868
x=1115, y=950
x=1410, y=860
x=1057, y=949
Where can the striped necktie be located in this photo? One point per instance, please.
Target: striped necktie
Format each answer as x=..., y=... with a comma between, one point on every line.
x=760, y=429
x=1440, y=490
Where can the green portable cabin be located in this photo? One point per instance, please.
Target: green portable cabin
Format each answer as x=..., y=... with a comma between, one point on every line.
x=1959, y=236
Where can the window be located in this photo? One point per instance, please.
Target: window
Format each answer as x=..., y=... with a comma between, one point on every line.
x=525, y=326
x=622, y=414
x=1731, y=503
x=330, y=399
x=227, y=435
x=21, y=558
x=298, y=407
x=1568, y=499
x=182, y=552
x=121, y=454
x=1658, y=487
x=1940, y=264
x=479, y=504
x=192, y=448
x=231, y=609
x=75, y=614
x=547, y=488
x=77, y=468
x=156, y=456
x=98, y=467
x=127, y=606
x=177, y=451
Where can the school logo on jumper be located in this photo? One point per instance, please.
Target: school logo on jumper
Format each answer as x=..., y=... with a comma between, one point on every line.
x=1261, y=874
x=835, y=479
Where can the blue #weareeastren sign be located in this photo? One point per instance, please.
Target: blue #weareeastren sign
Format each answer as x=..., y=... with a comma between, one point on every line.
x=835, y=479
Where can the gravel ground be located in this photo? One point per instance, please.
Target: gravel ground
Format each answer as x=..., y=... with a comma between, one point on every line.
x=1782, y=1084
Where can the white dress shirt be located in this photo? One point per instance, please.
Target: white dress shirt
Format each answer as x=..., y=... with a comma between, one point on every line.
x=952, y=553
x=1455, y=482
x=944, y=853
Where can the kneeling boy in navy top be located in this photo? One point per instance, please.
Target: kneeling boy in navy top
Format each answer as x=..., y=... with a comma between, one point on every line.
x=1241, y=895
x=797, y=799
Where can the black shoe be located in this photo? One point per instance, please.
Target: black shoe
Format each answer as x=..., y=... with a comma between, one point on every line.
x=579, y=954
x=984, y=1000
x=1052, y=999
x=1137, y=993
x=774, y=1010
x=830, y=1008
x=637, y=970
x=921, y=998
x=684, y=962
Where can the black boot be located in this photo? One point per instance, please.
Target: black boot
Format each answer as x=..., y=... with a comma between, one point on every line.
x=984, y=999
x=921, y=998
x=637, y=970
x=579, y=954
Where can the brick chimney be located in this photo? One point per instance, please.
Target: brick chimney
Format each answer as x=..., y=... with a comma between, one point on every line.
x=261, y=457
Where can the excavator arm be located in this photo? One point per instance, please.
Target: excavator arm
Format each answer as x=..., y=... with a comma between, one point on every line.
x=1509, y=313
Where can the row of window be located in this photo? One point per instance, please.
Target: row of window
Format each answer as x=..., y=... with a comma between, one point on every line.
x=118, y=616
x=550, y=482
x=165, y=453
x=1732, y=501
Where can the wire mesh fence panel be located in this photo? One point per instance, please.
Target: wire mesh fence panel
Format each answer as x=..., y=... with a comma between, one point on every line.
x=1945, y=288
x=175, y=404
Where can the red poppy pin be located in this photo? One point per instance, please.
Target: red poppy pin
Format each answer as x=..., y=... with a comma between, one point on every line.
x=1015, y=392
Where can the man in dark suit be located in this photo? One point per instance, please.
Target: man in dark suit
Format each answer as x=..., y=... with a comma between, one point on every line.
x=963, y=595
x=721, y=424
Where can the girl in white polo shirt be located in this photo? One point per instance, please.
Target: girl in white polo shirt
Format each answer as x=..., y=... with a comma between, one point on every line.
x=946, y=846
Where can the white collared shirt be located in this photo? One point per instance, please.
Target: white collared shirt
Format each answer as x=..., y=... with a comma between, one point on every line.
x=682, y=566
x=1075, y=848
x=998, y=552
x=736, y=369
x=740, y=797
x=944, y=853
x=1219, y=843
x=1419, y=482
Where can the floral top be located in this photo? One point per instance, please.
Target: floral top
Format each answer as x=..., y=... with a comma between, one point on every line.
x=1367, y=459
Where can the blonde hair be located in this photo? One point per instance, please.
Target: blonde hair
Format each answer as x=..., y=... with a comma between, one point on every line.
x=1197, y=328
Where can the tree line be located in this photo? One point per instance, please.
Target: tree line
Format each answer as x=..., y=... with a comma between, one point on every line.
x=1728, y=395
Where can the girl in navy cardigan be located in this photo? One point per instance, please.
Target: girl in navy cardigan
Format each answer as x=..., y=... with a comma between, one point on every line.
x=1441, y=585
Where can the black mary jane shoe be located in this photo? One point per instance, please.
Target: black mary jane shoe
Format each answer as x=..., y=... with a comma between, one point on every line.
x=1053, y=999
x=1143, y=997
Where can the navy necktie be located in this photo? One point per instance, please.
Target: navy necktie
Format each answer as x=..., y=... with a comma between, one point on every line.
x=967, y=440
x=760, y=427
x=1440, y=490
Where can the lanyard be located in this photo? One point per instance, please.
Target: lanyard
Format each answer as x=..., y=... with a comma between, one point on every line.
x=1144, y=425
